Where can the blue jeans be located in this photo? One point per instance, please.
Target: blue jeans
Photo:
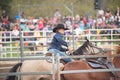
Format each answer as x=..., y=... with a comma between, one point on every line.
x=59, y=53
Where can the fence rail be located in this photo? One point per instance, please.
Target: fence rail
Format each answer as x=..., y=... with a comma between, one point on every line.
x=60, y=57
x=26, y=73
x=11, y=46
x=25, y=58
x=40, y=40
x=58, y=65
x=89, y=71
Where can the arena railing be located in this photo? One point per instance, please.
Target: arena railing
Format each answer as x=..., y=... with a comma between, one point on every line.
x=42, y=39
x=58, y=66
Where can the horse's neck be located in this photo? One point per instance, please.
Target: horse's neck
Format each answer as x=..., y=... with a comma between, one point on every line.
x=87, y=49
x=82, y=49
x=116, y=62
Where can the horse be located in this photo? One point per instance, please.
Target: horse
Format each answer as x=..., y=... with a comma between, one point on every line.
x=33, y=66
x=42, y=65
x=88, y=48
x=83, y=65
x=116, y=60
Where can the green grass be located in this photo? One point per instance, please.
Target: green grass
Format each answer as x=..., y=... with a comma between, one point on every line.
x=9, y=55
x=7, y=52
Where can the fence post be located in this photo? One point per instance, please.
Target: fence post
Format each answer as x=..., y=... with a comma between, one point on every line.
x=21, y=33
x=44, y=40
x=53, y=67
x=111, y=39
x=11, y=47
x=58, y=66
x=72, y=14
x=5, y=49
x=1, y=46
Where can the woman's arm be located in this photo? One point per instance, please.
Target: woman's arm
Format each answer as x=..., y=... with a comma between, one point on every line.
x=59, y=39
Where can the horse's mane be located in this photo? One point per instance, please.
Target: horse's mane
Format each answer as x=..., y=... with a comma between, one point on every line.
x=82, y=49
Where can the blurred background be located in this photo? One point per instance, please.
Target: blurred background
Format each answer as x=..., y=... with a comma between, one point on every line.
x=81, y=7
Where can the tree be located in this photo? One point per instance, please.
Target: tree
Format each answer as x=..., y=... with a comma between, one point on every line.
x=5, y=5
x=81, y=7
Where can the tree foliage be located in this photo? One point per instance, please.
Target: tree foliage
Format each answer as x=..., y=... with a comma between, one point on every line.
x=5, y=5
x=47, y=7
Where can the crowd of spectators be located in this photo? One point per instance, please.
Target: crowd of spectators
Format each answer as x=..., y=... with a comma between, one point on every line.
x=105, y=19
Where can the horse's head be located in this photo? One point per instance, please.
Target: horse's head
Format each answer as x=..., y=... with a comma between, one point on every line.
x=88, y=48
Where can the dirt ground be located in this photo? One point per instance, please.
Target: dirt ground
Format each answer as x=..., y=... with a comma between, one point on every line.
x=5, y=70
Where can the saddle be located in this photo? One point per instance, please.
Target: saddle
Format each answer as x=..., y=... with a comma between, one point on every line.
x=96, y=64
x=101, y=63
x=50, y=60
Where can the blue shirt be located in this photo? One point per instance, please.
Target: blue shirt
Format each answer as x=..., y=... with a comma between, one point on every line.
x=57, y=43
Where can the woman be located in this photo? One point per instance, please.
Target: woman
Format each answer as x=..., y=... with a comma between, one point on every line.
x=15, y=32
x=57, y=43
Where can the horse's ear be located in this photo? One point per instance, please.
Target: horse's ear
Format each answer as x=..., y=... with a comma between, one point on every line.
x=86, y=39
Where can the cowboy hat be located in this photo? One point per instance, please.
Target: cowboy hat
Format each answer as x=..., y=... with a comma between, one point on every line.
x=59, y=26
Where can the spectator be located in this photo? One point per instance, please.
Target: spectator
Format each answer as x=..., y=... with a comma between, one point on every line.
x=17, y=17
x=48, y=27
x=111, y=18
x=23, y=25
x=68, y=23
x=55, y=20
x=40, y=24
x=85, y=21
x=100, y=12
x=90, y=22
x=31, y=26
x=4, y=18
x=117, y=16
x=117, y=12
x=108, y=12
x=75, y=24
x=23, y=15
x=99, y=21
x=0, y=41
x=57, y=14
x=15, y=31
x=82, y=26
